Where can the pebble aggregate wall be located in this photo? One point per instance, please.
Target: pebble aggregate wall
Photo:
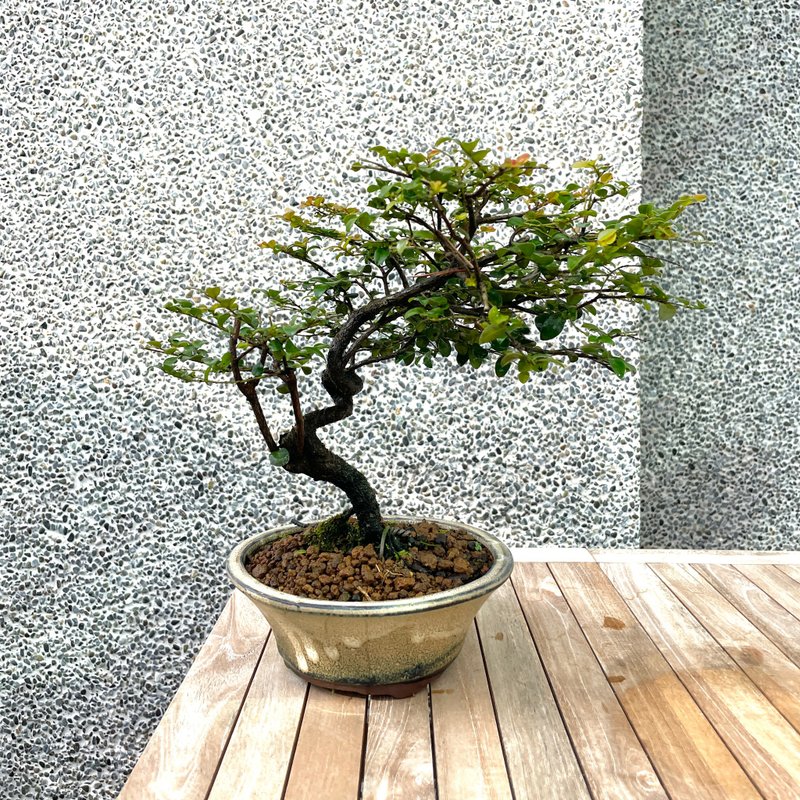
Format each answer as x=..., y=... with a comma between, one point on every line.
x=720, y=389
x=145, y=147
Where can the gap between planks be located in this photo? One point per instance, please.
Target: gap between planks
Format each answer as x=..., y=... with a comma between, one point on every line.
x=756, y=733
x=772, y=576
x=572, y=555
x=181, y=758
x=688, y=754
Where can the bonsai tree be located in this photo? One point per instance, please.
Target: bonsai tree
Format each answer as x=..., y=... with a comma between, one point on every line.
x=454, y=254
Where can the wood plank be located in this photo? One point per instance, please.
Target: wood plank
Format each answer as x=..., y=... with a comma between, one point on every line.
x=778, y=585
x=792, y=570
x=545, y=554
x=540, y=759
x=399, y=757
x=690, y=758
x=769, y=669
x=181, y=757
x=764, y=743
x=468, y=754
x=612, y=757
x=659, y=556
x=765, y=613
x=327, y=761
x=257, y=759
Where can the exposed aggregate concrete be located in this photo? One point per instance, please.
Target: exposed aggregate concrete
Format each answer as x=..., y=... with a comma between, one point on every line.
x=720, y=389
x=147, y=147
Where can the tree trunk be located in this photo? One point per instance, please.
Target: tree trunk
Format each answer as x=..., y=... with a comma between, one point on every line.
x=321, y=464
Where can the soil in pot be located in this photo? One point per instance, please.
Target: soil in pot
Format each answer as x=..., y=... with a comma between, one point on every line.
x=427, y=559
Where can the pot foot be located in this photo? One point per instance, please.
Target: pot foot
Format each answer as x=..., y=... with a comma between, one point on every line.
x=396, y=690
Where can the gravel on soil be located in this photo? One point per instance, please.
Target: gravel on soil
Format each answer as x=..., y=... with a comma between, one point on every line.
x=431, y=560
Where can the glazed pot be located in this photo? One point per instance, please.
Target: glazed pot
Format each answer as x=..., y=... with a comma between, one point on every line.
x=392, y=647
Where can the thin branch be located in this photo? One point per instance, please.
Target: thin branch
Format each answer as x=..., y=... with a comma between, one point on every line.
x=374, y=360
x=387, y=357
x=472, y=224
x=290, y=379
x=499, y=217
x=384, y=279
x=487, y=183
x=376, y=165
x=385, y=319
x=395, y=262
x=453, y=233
x=248, y=388
x=446, y=243
x=316, y=265
x=421, y=250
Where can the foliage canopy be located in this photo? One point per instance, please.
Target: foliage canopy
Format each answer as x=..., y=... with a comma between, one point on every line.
x=454, y=254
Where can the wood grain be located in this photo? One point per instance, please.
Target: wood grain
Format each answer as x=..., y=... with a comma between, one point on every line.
x=545, y=554
x=656, y=556
x=613, y=761
x=399, y=759
x=691, y=759
x=257, y=759
x=769, y=668
x=776, y=584
x=765, y=613
x=327, y=761
x=761, y=739
x=792, y=570
x=181, y=757
x=667, y=680
x=468, y=753
x=541, y=762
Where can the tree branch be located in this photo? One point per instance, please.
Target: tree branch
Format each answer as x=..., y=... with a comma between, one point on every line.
x=248, y=388
x=385, y=319
x=444, y=242
x=290, y=379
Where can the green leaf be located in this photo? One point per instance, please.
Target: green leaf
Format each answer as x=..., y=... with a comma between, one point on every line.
x=279, y=457
x=666, y=311
x=619, y=365
x=491, y=332
x=496, y=317
x=607, y=237
x=501, y=367
x=213, y=292
x=549, y=325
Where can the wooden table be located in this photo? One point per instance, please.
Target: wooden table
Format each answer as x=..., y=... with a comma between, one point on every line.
x=592, y=674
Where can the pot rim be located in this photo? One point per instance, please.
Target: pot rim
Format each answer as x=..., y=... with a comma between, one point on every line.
x=497, y=574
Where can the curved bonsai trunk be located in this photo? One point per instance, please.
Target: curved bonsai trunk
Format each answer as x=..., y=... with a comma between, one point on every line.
x=307, y=454
x=319, y=463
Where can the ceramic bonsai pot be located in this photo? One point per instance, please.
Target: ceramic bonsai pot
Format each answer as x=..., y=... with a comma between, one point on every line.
x=392, y=647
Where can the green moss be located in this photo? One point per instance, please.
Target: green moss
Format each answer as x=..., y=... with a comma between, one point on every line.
x=337, y=534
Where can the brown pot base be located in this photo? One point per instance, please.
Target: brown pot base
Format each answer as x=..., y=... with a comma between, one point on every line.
x=396, y=690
